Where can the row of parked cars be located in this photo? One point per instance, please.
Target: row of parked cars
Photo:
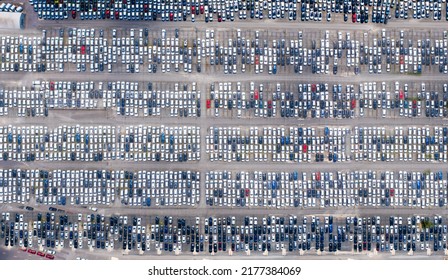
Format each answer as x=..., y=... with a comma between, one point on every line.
x=424, y=101
x=98, y=143
x=8, y=7
x=90, y=50
x=125, y=98
x=329, y=144
x=364, y=11
x=220, y=235
x=417, y=143
x=243, y=189
x=326, y=100
x=55, y=232
x=231, y=99
x=182, y=144
x=326, y=189
x=128, y=99
x=100, y=187
x=327, y=234
x=280, y=144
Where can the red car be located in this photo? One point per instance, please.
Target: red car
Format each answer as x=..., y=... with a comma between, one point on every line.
x=392, y=192
x=256, y=95
x=117, y=15
x=73, y=14
x=269, y=104
x=49, y=256
x=201, y=9
x=353, y=104
x=247, y=192
x=23, y=249
x=401, y=94
x=51, y=85
x=208, y=103
x=305, y=148
x=171, y=16
x=354, y=18
x=318, y=176
x=107, y=13
x=31, y=251
x=41, y=254
x=83, y=49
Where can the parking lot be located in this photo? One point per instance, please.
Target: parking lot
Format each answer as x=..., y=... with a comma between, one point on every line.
x=100, y=187
x=215, y=128
x=51, y=232
x=324, y=100
x=126, y=98
x=326, y=144
x=98, y=143
x=230, y=100
x=209, y=10
x=227, y=52
x=355, y=189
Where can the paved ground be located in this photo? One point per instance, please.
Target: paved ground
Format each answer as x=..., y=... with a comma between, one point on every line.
x=68, y=254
